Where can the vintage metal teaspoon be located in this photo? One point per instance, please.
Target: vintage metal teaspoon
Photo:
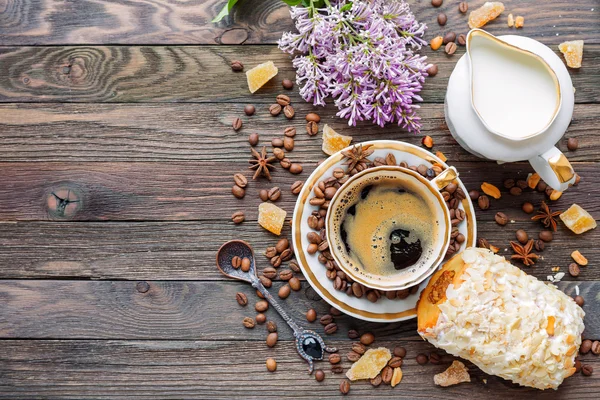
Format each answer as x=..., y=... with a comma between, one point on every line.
x=309, y=344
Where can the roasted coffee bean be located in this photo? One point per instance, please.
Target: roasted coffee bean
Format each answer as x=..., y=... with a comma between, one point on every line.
x=337, y=369
x=319, y=375
x=270, y=252
x=288, y=143
x=270, y=272
x=312, y=128
x=248, y=322
x=527, y=207
x=463, y=7
x=261, y=306
x=271, y=364
x=295, y=284
x=313, y=117
x=275, y=109
x=586, y=346
x=541, y=187
x=324, y=245
x=539, y=245
x=238, y=217
x=353, y=334
x=236, y=262
x=335, y=358
x=259, y=294
x=442, y=19
x=237, y=66
x=395, y=362
x=311, y=315
x=282, y=244
x=249, y=109
x=285, y=163
x=435, y=358
x=284, y=292
x=312, y=248
x=282, y=100
x=289, y=112
x=577, y=366
x=274, y=193
x=596, y=347
x=399, y=351
x=287, y=85
x=574, y=269
x=241, y=298
x=331, y=328
x=285, y=275
x=572, y=144
x=546, y=236
x=450, y=48
x=335, y=312
x=522, y=184
x=357, y=290
x=278, y=152
x=508, y=183
x=238, y=191
x=515, y=191
x=376, y=381
x=359, y=348
x=432, y=70
x=271, y=326
x=436, y=3
x=277, y=142
x=422, y=359
x=579, y=301
x=260, y=318
x=295, y=168
x=461, y=40
x=367, y=338
x=266, y=282
x=263, y=194
x=484, y=202
x=290, y=131
x=386, y=374
x=587, y=370
x=449, y=37
x=294, y=266
x=272, y=339
x=474, y=194
x=345, y=386
x=522, y=236
x=253, y=139
x=287, y=254
x=501, y=218
x=326, y=319
x=297, y=187
x=246, y=264
x=237, y=124
x=372, y=296
x=338, y=283
x=353, y=356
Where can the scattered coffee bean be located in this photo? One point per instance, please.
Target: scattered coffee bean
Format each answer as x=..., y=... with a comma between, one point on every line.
x=272, y=339
x=572, y=144
x=579, y=301
x=261, y=306
x=461, y=40
x=400, y=351
x=353, y=334
x=345, y=386
x=546, y=236
x=501, y=218
x=277, y=152
x=335, y=358
x=274, y=193
x=295, y=284
x=527, y=207
x=484, y=202
x=290, y=131
x=296, y=168
x=241, y=298
x=285, y=163
x=288, y=143
x=596, y=347
x=435, y=358
x=432, y=70
x=311, y=315
x=282, y=99
x=541, y=187
x=260, y=318
x=270, y=272
x=586, y=346
x=395, y=362
x=312, y=128
x=522, y=236
x=335, y=312
x=275, y=109
x=574, y=269
x=277, y=142
x=353, y=356
x=442, y=19
x=539, y=245
x=474, y=194
x=253, y=139
x=297, y=187
x=358, y=348
x=289, y=112
x=326, y=319
x=246, y=264
x=294, y=266
x=376, y=381
x=386, y=374
x=337, y=369
x=436, y=3
x=313, y=117
x=237, y=124
x=422, y=359
x=286, y=275
x=515, y=191
x=522, y=184
x=240, y=180
x=238, y=191
x=248, y=322
x=266, y=282
x=508, y=183
x=367, y=338
x=587, y=370
x=331, y=328
x=236, y=262
x=238, y=217
x=463, y=7
x=237, y=66
x=271, y=326
x=287, y=84
x=282, y=244
x=449, y=37
x=319, y=375
x=249, y=109
x=271, y=365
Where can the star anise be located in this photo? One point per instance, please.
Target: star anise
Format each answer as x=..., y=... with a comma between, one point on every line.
x=547, y=216
x=357, y=157
x=523, y=253
x=261, y=163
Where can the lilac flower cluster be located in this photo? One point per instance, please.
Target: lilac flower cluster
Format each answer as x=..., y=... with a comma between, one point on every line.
x=362, y=54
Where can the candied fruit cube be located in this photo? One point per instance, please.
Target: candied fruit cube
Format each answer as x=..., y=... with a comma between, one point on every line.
x=333, y=141
x=573, y=52
x=260, y=75
x=519, y=21
x=577, y=219
x=370, y=364
x=484, y=14
x=271, y=217
x=455, y=374
x=511, y=21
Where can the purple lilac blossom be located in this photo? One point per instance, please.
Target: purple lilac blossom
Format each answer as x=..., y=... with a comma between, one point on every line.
x=362, y=53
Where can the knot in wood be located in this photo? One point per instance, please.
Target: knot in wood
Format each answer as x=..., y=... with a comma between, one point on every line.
x=63, y=202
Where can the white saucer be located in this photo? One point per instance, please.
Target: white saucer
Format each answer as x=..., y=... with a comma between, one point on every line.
x=472, y=135
x=383, y=310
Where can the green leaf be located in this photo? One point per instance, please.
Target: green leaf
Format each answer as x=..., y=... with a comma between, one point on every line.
x=292, y=2
x=225, y=11
x=347, y=7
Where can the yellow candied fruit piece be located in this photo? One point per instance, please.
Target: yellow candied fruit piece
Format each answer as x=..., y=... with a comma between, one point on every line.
x=455, y=374
x=271, y=217
x=511, y=21
x=333, y=141
x=370, y=364
x=519, y=21
x=573, y=52
x=484, y=14
x=260, y=75
x=578, y=220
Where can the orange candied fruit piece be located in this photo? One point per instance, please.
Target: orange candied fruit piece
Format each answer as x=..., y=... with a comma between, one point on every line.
x=260, y=75
x=573, y=52
x=271, y=217
x=333, y=141
x=370, y=364
x=577, y=219
x=484, y=14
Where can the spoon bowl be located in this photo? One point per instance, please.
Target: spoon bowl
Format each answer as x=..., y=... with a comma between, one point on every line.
x=225, y=256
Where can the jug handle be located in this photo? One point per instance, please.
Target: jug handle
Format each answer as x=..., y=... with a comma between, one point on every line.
x=554, y=168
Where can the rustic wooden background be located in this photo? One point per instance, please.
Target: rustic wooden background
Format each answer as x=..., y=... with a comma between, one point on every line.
x=128, y=105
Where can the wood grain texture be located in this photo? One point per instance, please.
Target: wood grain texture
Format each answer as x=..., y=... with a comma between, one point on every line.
x=28, y=22
x=170, y=310
x=202, y=190
x=93, y=369
x=138, y=132
x=189, y=74
x=186, y=250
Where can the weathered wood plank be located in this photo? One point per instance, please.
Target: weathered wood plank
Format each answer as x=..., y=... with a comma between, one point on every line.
x=187, y=74
x=64, y=309
x=138, y=132
x=30, y=22
x=186, y=250
x=202, y=190
x=212, y=369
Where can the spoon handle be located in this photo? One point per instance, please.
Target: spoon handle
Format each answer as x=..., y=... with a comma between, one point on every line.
x=257, y=284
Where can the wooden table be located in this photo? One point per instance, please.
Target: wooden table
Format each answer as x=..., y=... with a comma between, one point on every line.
x=127, y=108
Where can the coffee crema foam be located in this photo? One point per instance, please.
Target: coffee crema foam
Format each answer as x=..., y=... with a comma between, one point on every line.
x=387, y=206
